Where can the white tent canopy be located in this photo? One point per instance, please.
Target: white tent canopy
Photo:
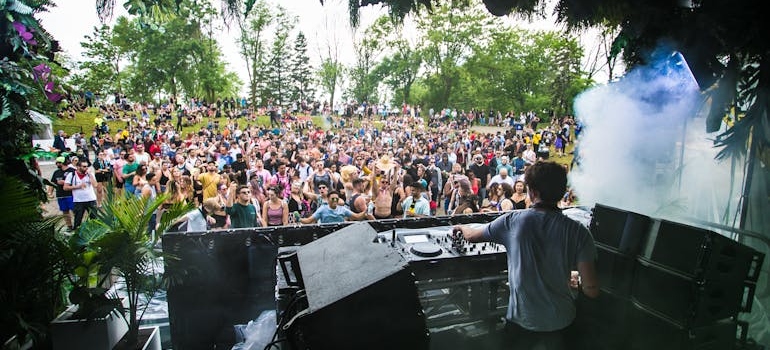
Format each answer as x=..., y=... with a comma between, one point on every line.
x=45, y=127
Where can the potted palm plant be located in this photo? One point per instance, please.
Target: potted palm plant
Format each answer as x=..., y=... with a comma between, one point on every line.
x=117, y=241
x=95, y=319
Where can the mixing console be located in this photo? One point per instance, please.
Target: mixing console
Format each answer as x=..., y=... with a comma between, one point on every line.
x=435, y=243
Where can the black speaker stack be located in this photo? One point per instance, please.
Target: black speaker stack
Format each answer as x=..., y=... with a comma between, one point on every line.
x=667, y=285
x=357, y=295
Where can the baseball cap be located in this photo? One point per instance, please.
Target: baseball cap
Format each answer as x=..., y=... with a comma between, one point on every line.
x=60, y=159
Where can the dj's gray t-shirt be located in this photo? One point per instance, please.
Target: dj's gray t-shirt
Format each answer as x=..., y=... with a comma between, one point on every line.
x=542, y=248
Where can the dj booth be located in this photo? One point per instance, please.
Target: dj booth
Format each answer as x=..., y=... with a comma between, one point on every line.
x=407, y=284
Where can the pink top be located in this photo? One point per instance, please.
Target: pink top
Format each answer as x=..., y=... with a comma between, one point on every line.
x=274, y=216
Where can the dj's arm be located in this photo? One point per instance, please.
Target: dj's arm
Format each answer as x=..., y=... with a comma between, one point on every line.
x=589, y=282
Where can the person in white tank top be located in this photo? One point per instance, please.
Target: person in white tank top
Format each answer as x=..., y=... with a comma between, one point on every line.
x=81, y=183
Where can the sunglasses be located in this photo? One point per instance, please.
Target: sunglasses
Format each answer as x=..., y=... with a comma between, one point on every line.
x=321, y=187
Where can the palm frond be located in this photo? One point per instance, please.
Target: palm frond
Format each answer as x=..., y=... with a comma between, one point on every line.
x=30, y=264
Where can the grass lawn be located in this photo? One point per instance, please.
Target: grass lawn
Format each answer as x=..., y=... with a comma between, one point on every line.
x=84, y=122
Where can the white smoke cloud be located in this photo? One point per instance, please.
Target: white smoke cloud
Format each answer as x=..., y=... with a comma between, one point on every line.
x=645, y=149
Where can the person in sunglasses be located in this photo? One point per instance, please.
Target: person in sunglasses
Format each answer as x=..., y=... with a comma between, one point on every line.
x=334, y=212
x=244, y=211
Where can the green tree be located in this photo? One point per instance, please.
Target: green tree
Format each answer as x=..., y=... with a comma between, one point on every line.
x=107, y=56
x=450, y=35
x=362, y=74
x=208, y=64
x=301, y=72
x=278, y=74
x=398, y=70
x=253, y=47
x=329, y=77
x=179, y=57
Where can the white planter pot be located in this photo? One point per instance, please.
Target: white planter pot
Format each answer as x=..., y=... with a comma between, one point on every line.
x=153, y=342
x=96, y=334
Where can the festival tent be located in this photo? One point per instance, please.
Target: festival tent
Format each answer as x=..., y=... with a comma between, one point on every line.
x=45, y=127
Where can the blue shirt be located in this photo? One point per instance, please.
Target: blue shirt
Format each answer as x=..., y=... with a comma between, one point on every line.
x=518, y=164
x=325, y=214
x=421, y=207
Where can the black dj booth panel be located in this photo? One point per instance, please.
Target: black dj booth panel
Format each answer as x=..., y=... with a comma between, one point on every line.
x=223, y=278
x=352, y=288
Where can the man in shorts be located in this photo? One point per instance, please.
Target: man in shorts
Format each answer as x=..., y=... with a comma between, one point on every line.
x=64, y=198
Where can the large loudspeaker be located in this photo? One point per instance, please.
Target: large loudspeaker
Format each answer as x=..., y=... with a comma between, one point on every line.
x=360, y=295
x=694, y=276
x=686, y=301
x=621, y=230
x=699, y=252
x=615, y=271
x=651, y=332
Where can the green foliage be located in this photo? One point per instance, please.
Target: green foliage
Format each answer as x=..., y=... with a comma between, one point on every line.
x=302, y=82
x=278, y=73
x=107, y=51
x=23, y=45
x=30, y=265
x=450, y=35
x=362, y=74
x=399, y=70
x=330, y=75
x=520, y=70
x=178, y=56
x=117, y=239
x=254, y=48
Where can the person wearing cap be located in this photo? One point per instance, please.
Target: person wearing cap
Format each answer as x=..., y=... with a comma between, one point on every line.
x=103, y=174
x=63, y=197
x=240, y=168
x=482, y=172
x=415, y=205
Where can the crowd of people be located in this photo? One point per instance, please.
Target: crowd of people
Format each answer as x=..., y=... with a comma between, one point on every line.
x=243, y=174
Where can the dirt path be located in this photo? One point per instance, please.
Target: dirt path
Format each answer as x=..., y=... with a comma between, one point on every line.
x=50, y=208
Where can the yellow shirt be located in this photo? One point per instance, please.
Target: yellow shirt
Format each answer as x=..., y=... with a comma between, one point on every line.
x=210, y=183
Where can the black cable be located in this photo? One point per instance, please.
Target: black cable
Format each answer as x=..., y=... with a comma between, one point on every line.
x=274, y=343
x=294, y=299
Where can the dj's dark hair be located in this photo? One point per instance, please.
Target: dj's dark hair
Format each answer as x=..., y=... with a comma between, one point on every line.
x=549, y=179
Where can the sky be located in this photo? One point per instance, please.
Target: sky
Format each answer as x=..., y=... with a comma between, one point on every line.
x=71, y=20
